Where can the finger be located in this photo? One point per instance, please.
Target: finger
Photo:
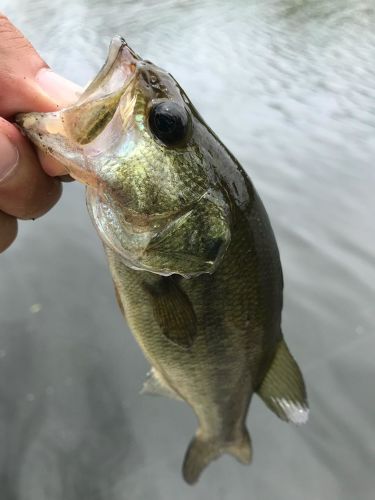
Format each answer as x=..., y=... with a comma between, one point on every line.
x=26, y=84
x=26, y=191
x=50, y=165
x=8, y=230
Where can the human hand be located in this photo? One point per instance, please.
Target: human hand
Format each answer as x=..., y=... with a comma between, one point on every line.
x=27, y=188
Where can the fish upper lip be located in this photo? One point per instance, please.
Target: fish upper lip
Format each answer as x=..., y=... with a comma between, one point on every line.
x=123, y=43
x=117, y=72
x=129, y=58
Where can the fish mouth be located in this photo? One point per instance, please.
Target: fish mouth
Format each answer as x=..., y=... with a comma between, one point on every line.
x=69, y=135
x=115, y=74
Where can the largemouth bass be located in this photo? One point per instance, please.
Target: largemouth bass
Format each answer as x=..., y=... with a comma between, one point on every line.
x=190, y=247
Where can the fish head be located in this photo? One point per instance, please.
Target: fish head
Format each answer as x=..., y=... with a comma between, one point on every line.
x=145, y=154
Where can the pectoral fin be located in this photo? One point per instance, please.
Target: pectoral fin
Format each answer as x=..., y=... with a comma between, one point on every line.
x=173, y=311
x=283, y=389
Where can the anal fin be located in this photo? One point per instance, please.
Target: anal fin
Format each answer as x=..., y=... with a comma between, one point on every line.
x=155, y=385
x=283, y=389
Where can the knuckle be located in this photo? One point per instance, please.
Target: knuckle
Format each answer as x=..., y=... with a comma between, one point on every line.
x=10, y=36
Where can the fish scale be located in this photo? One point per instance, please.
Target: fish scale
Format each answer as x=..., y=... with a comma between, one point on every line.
x=190, y=247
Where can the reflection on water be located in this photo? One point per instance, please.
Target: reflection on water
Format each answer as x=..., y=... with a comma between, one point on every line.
x=74, y=448
x=289, y=86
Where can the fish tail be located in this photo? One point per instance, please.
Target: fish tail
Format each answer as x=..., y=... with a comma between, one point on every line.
x=241, y=449
x=202, y=451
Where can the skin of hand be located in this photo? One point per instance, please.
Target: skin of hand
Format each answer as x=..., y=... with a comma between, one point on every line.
x=28, y=183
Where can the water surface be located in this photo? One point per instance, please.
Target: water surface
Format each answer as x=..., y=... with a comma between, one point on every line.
x=289, y=86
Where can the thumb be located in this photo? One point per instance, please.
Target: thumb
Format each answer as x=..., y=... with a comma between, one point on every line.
x=26, y=82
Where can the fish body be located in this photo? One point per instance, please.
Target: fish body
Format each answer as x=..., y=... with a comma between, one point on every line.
x=190, y=247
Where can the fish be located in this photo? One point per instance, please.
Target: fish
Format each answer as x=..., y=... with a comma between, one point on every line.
x=191, y=250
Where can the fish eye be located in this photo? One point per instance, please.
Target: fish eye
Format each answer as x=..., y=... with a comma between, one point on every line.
x=169, y=122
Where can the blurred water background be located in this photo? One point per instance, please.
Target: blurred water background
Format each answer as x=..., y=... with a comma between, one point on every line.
x=289, y=86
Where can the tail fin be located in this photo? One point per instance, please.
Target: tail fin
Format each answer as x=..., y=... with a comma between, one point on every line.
x=202, y=451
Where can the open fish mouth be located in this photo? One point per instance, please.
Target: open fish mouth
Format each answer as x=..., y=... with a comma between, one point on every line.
x=115, y=74
x=70, y=134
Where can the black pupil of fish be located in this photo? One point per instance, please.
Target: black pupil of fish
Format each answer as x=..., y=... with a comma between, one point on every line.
x=169, y=122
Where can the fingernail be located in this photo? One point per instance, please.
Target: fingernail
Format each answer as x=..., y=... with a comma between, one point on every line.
x=56, y=86
x=65, y=178
x=9, y=156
